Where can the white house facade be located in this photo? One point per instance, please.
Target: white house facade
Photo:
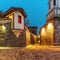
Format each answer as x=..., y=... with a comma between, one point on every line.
x=17, y=16
x=54, y=8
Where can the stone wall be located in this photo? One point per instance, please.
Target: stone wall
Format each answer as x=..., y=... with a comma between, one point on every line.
x=5, y=32
x=30, y=37
x=21, y=39
x=33, y=39
x=24, y=38
x=54, y=38
x=50, y=32
x=57, y=31
x=13, y=41
x=47, y=38
x=10, y=39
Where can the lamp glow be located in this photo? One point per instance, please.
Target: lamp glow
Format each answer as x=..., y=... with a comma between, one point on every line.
x=3, y=27
x=38, y=41
x=43, y=31
x=50, y=27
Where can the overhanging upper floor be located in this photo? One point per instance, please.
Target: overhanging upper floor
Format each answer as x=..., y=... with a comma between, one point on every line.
x=55, y=12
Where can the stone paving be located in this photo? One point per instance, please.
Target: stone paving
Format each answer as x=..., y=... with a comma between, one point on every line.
x=42, y=53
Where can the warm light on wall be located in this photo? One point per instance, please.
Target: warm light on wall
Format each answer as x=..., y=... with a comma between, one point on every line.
x=3, y=27
x=27, y=37
x=50, y=27
x=35, y=37
x=43, y=32
x=39, y=41
x=38, y=36
x=11, y=17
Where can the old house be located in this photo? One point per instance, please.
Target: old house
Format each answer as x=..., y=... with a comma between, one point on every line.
x=33, y=34
x=16, y=35
x=14, y=32
x=33, y=29
x=50, y=32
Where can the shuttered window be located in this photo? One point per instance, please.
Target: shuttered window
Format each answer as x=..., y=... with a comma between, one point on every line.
x=19, y=19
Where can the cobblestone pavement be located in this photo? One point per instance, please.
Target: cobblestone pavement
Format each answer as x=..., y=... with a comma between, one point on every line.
x=30, y=53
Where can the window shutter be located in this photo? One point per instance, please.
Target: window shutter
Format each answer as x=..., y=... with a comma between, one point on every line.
x=19, y=19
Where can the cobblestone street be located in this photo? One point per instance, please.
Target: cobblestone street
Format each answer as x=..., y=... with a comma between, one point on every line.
x=30, y=53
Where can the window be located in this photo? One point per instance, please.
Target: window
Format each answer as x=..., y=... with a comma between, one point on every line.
x=19, y=19
x=54, y=2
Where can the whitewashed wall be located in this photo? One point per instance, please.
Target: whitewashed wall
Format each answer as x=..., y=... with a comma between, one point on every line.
x=58, y=3
x=55, y=11
x=52, y=6
x=16, y=24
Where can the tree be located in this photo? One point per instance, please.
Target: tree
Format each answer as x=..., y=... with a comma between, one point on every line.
x=1, y=14
x=27, y=22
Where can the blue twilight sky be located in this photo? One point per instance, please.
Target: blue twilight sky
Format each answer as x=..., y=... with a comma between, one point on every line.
x=35, y=9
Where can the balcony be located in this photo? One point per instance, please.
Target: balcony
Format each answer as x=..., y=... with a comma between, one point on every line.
x=55, y=12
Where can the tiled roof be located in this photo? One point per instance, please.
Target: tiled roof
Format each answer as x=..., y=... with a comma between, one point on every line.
x=13, y=9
